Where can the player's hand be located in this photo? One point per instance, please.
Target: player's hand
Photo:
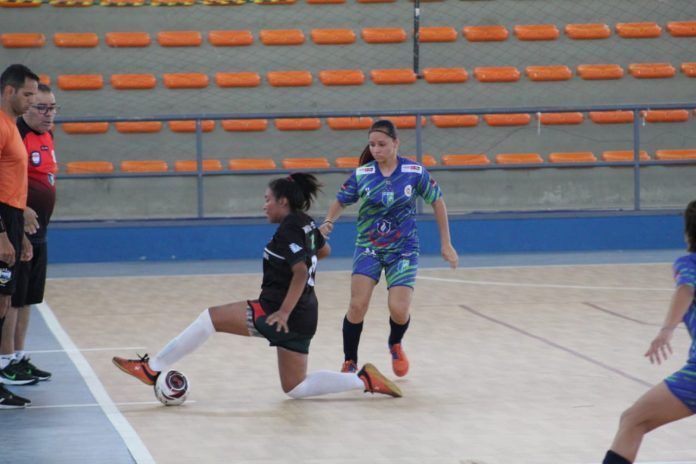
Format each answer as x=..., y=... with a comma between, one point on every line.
x=660, y=347
x=326, y=228
x=280, y=320
x=27, y=249
x=7, y=251
x=449, y=254
x=31, y=221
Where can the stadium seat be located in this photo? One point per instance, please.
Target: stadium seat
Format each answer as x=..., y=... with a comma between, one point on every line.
x=445, y=75
x=347, y=162
x=666, y=115
x=144, y=166
x=405, y=122
x=618, y=156
x=45, y=79
x=644, y=30
x=349, y=123
x=651, y=70
x=689, y=69
x=497, y=74
x=333, y=36
x=592, y=31
x=282, y=36
x=325, y=2
x=20, y=3
x=237, y=79
x=80, y=81
x=599, y=71
x=297, y=124
x=465, y=160
x=127, y=39
x=185, y=80
x=611, y=117
x=376, y=1
x=342, y=77
x=122, y=3
x=190, y=126
x=426, y=160
x=133, y=81
x=485, y=33
x=393, y=76
x=514, y=119
x=454, y=120
x=305, y=163
x=88, y=167
x=289, y=78
x=245, y=125
x=679, y=154
x=85, y=127
x=75, y=39
x=250, y=164
x=382, y=35
x=192, y=165
x=230, y=38
x=437, y=34
x=179, y=38
x=682, y=28
x=536, y=32
x=71, y=3
x=518, y=158
x=138, y=127
x=553, y=119
x=573, y=157
x=548, y=73
x=22, y=40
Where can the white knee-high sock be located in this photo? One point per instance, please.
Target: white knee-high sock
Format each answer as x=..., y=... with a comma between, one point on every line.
x=185, y=343
x=324, y=382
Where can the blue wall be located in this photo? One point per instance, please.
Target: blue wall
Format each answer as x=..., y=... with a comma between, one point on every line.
x=476, y=233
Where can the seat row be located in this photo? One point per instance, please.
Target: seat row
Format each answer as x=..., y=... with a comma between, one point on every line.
x=345, y=36
x=467, y=159
x=129, y=3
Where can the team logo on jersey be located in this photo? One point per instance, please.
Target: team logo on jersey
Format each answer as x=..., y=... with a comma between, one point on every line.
x=408, y=190
x=294, y=247
x=35, y=158
x=362, y=170
x=5, y=275
x=387, y=198
x=417, y=168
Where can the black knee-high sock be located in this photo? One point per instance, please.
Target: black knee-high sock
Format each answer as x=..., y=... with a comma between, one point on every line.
x=613, y=458
x=351, y=339
x=397, y=331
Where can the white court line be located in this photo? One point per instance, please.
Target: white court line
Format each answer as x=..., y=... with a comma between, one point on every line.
x=95, y=405
x=83, y=350
x=518, y=284
x=137, y=448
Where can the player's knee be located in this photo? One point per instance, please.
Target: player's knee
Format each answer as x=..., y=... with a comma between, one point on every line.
x=631, y=418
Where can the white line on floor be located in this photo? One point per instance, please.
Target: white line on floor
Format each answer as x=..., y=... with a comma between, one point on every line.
x=96, y=405
x=529, y=285
x=83, y=350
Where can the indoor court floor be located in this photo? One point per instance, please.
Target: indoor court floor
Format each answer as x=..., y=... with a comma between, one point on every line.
x=526, y=359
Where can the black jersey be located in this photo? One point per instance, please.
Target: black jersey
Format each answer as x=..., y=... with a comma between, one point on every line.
x=296, y=239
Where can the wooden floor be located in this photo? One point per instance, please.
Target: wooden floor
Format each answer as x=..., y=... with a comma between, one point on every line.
x=508, y=366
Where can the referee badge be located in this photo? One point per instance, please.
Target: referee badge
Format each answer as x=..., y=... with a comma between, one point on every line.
x=35, y=158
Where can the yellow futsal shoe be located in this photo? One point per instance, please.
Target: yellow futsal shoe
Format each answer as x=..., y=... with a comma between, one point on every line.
x=376, y=382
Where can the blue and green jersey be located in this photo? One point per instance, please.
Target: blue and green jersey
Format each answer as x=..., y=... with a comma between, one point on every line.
x=685, y=274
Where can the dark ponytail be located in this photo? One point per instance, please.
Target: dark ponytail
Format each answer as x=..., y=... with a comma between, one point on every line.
x=384, y=126
x=690, y=225
x=299, y=188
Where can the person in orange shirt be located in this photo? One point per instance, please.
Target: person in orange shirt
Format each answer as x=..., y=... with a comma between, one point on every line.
x=18, y=88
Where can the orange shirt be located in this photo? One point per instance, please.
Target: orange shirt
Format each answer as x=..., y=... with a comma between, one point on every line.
x=13, y=164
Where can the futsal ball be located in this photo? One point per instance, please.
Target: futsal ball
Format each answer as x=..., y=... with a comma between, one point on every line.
x=171, y=388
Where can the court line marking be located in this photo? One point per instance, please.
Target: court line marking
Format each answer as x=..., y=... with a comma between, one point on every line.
x=528, y=285
x=553, y=344
x=619, y=315
x=83, y=350
x=135, y=445
x=95, y=405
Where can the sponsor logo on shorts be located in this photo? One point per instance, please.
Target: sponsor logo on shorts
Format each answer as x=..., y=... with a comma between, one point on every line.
x=5, y=275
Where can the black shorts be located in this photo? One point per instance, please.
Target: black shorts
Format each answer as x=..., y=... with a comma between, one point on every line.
x=256, y=322
x=14, y=226
x=31, y=278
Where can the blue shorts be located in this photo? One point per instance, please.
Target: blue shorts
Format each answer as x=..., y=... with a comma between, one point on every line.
x=682, y=384
x=400, y=269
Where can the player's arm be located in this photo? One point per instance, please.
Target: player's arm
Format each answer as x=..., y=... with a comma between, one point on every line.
x=332, y=215
x=446, y=249
x=660, y=347
x=300, y=274
x=324, y=251
x=7, y=251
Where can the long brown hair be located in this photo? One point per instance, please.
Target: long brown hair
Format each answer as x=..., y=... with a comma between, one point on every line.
x=384, y=126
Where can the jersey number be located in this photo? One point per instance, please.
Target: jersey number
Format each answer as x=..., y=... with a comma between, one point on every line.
x=312, y=271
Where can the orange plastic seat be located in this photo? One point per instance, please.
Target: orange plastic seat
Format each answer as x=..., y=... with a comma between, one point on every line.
x=465, y=160
x=381, y=35
x=22, y=40
x=349, y=123
x=405, y=122
x=133, y=81
x=179, y=38
x=138, y=127
x=682, y=28
x=497, y=74
x=445, y=75
x=514, y=119
x=652, y=70
x=518, y=158
x=190, y=126
x=144, y=166
x=347, y=162
x=454, y=120
x=230, y=38
x=587, y=31
x=644, y=30
x=325, y=2
x=618, y=156
x=80, y=81
x=536, y=32
x=342, y=77
x=245, y=125
x=289, y=78
x=573, y=157
x=192, y=165
x=237, y=79
x=666, y=115
x=128, y=39
x=121, y=3
x=426, y=160
x=689, y=69
x=250, y=164
x=88, y=167
x=611, y=117
x=678, y=154
x=553, y=119
x=185, y=80
x=376, y=1
x=333, y=36
x=548, y=73
x=282, y=36
x=305, y=163
x=297, y=124
x=485, y=33
x=600, y=71
x=85, y=127
x=20, y=3
x=437, y=34
x=393, y=76
x=45, y=79
x=75, y=39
